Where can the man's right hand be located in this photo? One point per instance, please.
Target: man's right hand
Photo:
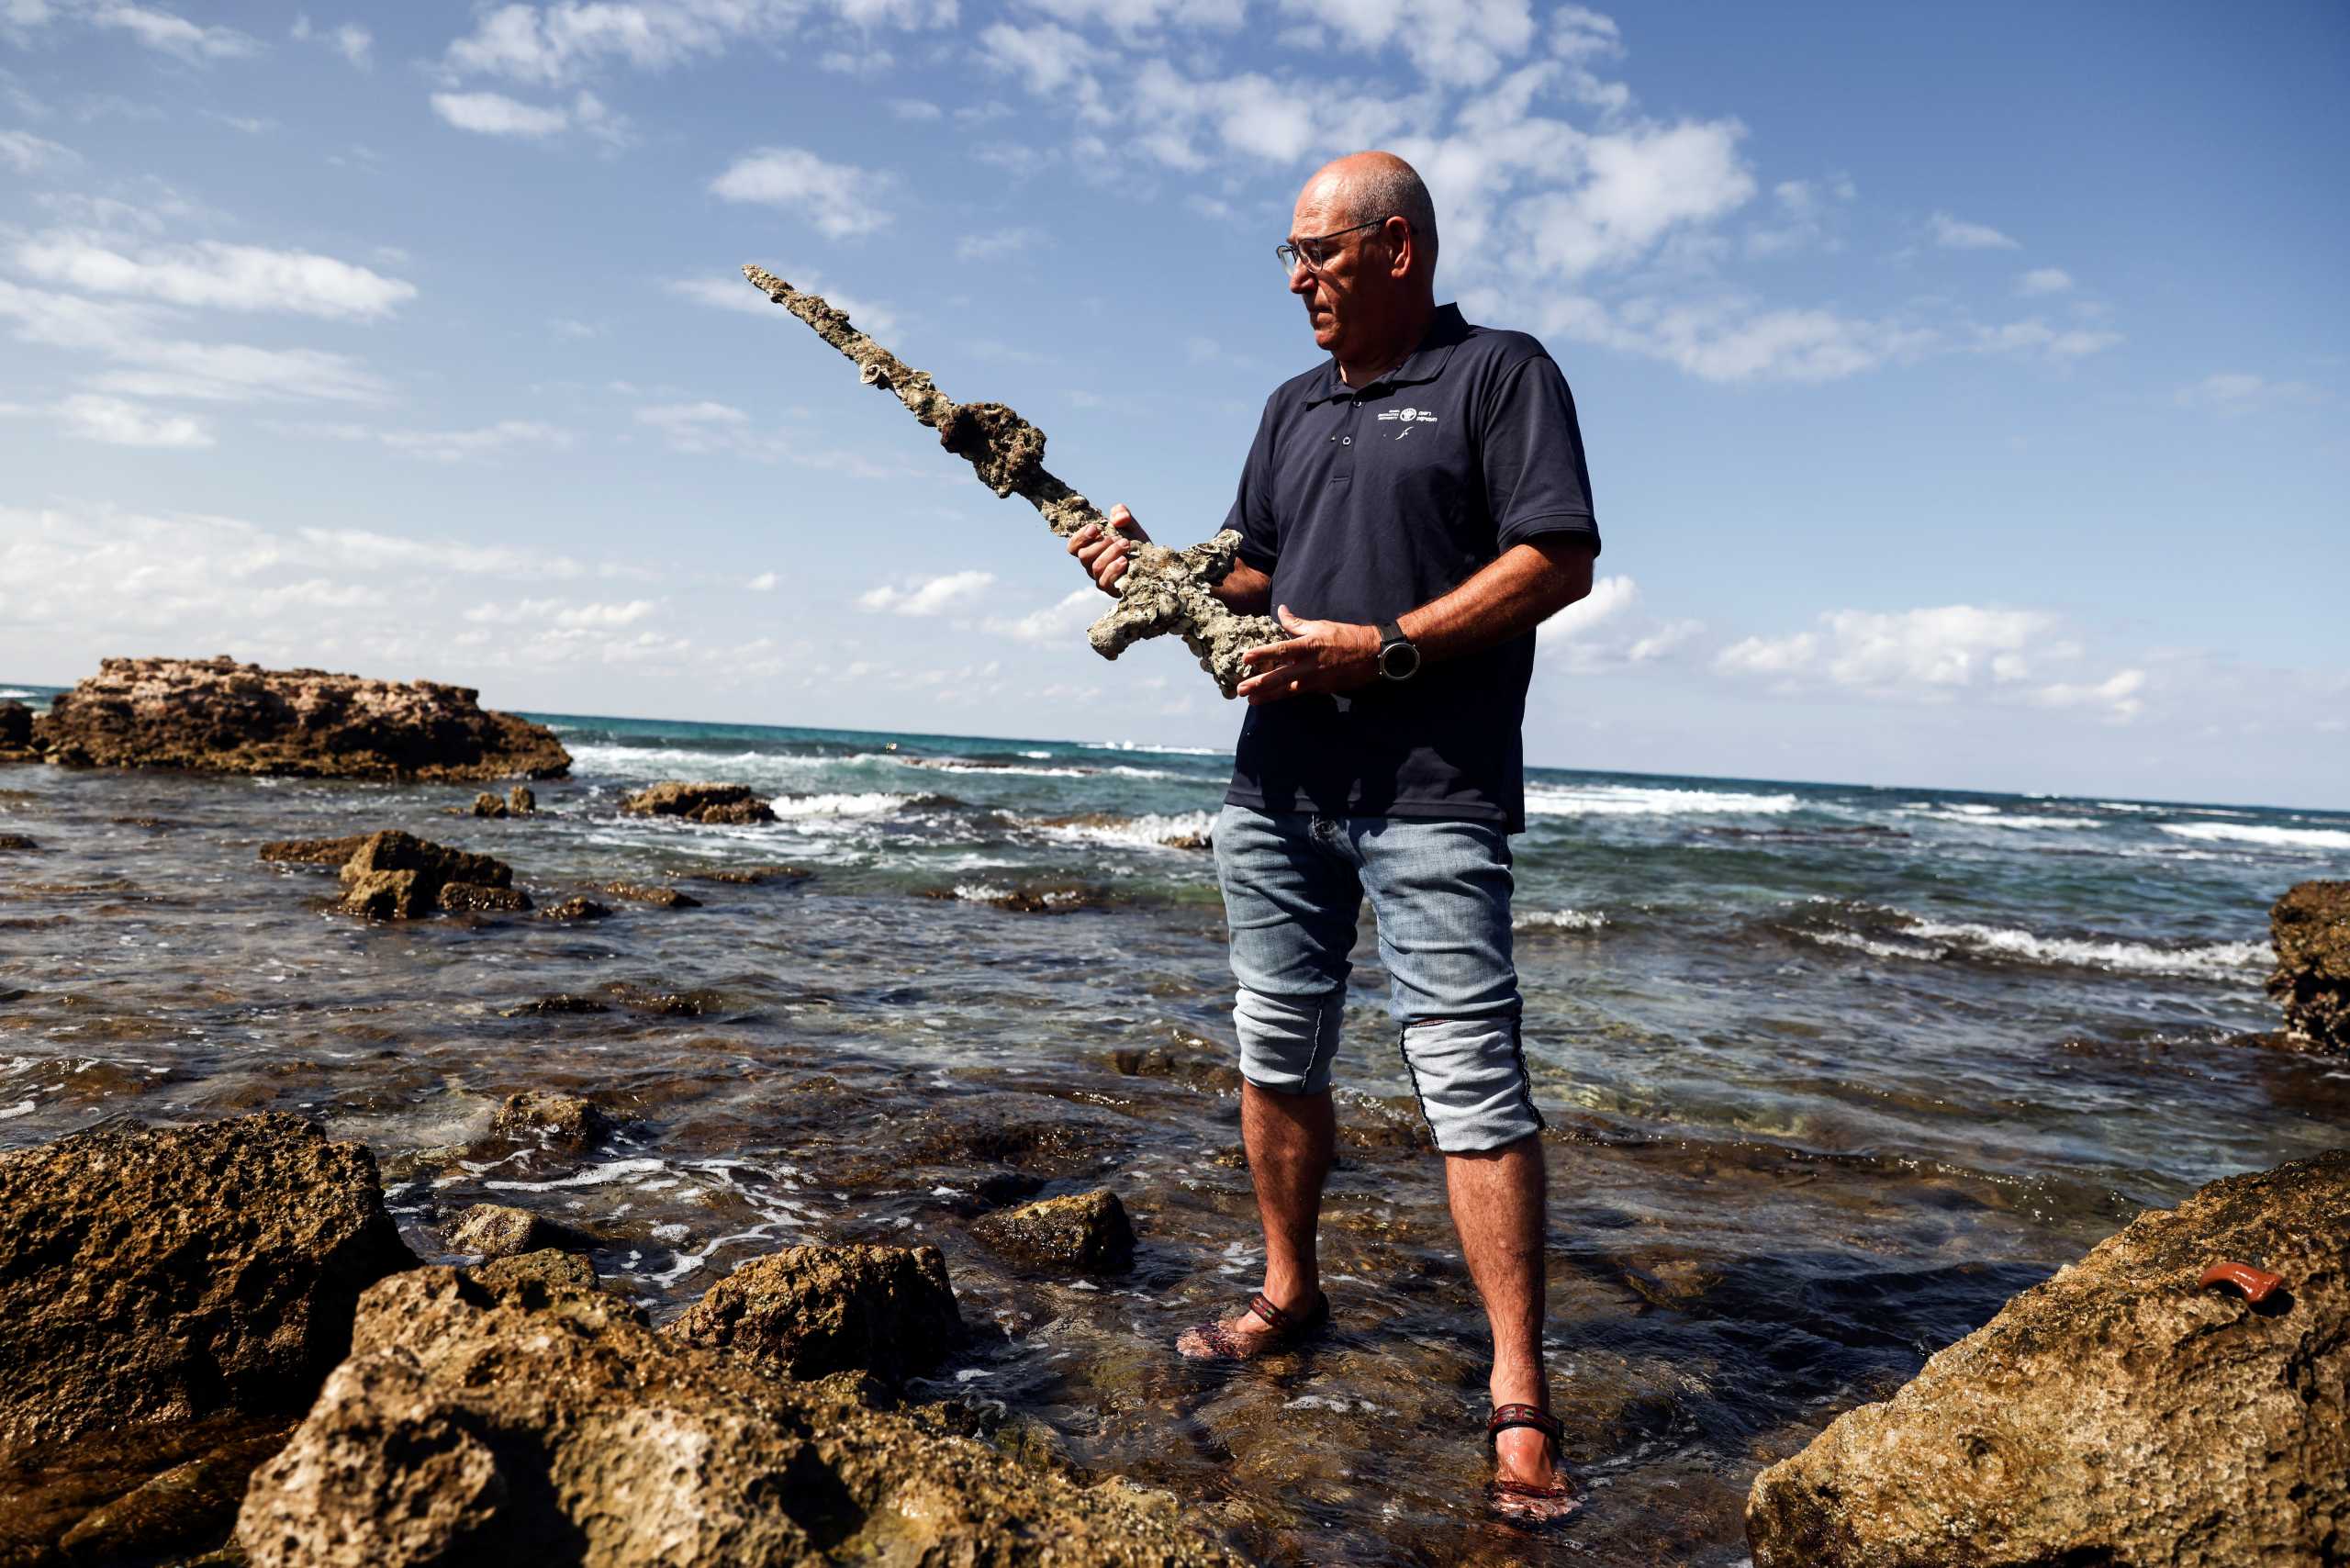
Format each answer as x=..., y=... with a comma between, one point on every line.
x=1103, y=553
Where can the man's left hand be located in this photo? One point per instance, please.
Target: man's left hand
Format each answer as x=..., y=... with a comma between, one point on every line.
x=1320, y=656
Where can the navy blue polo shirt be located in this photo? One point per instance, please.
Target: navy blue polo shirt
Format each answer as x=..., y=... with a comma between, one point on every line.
x=1364, y=504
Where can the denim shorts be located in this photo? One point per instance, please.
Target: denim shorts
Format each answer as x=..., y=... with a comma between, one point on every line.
x=1293, y=885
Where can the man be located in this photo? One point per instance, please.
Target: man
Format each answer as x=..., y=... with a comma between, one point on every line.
x=1411, y=509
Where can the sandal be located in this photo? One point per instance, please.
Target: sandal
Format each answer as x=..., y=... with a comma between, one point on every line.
x=1523, y=1501
x=1214, y=1342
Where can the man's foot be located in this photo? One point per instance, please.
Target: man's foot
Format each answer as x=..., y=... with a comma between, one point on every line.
x=1527, y=1487
x=1261, y=1329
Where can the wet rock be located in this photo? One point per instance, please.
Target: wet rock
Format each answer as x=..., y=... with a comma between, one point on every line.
x=190, y=1507
x=2119, y=1412
x=564, y=1120
x=166, y=1275
x=561, y=1002
x=807, y=1312
x=472, y=897
x=664, y=1004
x=575, y=909
x=751, y=875
x=495, y=1231
x=15, y=727
x=643, y=892
x=2311, y=928
x=479, y=1422
x=697, y=802
x=314, y=851
x=1056, y=898
x=132, y=1496
x=543, y=1272
x=486, y=805
x=1199, y=1062
x=1036, y=1133
x=522, y=801
x=397, y=876
x=1087, y=1231
x=16, y=841
x=221, y=716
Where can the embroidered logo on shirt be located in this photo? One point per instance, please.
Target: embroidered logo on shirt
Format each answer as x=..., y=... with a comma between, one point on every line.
x=1407, y=416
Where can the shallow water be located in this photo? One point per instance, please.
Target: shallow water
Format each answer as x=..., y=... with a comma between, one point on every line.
x=1830, y=1073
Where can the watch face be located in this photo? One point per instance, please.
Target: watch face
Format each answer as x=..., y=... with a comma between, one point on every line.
x=1399, y=661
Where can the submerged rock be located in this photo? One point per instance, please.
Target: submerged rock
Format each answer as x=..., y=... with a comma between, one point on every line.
x=751, y=876
x=221, y=716
x=486, y=805
x=526, y=1422
x=577, y=909
x=697, y=802
x=2311, y=928
x=541, y=1273
x=522, y=801
x=15, y=725
x=152, y=1276
x=17, y=841
x=397, y=876
x=1088, y=1231
x=472, y=897
x=566, y=1121
x=2121, y=1413
x=645, y=893
x=808, y=1312
x=496, y=1231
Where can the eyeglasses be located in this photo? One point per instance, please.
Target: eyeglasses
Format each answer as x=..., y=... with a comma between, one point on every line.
x=1314, y=252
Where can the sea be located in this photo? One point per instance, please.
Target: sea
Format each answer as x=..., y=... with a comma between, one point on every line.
x=1829, y=1072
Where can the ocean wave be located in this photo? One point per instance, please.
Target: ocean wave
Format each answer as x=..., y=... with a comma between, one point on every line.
x=1633, y=800
x=1905, y=935
x=866, y=804
x=2255, y=832
x=642, y=761
x=1176, y=830
x=989, y=892
x=1010, y=770
x=1560, y=920
x=1168, y=750
x=1990, y=816
x=8, y=691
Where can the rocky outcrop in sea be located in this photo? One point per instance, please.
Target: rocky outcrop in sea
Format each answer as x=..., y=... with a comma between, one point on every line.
x=2311, y=928
x=2123, y=1411
x=697, y=802
x=221, y=716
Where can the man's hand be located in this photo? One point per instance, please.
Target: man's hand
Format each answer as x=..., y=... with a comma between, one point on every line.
x=1320, y=655
x=1103, y=554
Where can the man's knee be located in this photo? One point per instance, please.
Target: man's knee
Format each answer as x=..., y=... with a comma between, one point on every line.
x=1471, y=1077
x=1287, y=1043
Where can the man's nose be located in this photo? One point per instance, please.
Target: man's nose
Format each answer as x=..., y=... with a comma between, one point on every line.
x=1300, y=278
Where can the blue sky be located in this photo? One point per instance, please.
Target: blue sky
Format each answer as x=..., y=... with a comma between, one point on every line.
x=1964, y=388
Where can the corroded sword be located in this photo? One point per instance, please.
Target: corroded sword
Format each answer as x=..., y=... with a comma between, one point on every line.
x=1163, y=590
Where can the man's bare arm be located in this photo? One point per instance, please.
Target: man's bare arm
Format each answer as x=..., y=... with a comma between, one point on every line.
x=1529, y=584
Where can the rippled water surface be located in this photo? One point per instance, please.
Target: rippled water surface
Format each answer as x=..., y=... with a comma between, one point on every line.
x=1831, y=1073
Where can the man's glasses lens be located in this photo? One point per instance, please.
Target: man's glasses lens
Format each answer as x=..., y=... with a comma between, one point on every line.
x=1317, y=251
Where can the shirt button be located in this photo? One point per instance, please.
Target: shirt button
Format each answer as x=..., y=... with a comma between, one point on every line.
x=1346, y=441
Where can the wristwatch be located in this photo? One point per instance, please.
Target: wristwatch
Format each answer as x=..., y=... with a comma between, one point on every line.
x=1399, y=657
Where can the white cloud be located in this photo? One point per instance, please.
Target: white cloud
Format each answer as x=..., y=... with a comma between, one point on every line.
x=1459, y=42
x=2045, y=280
x=1056, y=623
x=1048, y=58
x=450, y=445
x=698, y=427
x=552, y=45
x=1956, y=234
x=494, y=114
x=763, y=583
x=1132, y=20
x=209, y=273
x=118, y=422
x=835, y=198
x=2236, y=391
x=927, y=595
x=24, y=153
x=160, y=364
x=351, y=40
x=2118, y=695
x=917, y=110
x=1927, y=653
x=168, y=31
x=2037, y=337
x=997, y=243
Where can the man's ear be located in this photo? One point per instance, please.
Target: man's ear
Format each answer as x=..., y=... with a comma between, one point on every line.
x=1400, y=267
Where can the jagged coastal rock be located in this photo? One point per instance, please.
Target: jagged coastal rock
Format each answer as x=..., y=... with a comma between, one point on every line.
x=313, y=851
x=397, y=876
x=484, y=1420
x=808, y=1312
x=170, y=1275
x=2311, y=928
x=1087, y=1230
x=2121, y=1413
x=221, y=716
x=566, y=1121
x=16, y=732
x=697, y=802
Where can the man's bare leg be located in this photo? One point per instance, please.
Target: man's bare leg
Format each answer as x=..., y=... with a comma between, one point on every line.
x=1289, y=1139
x=1497, y=1206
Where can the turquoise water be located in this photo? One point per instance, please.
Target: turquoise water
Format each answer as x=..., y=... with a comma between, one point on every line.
x=1831, y=1071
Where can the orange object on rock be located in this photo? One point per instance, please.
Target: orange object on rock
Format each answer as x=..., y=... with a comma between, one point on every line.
x=2257, y=1283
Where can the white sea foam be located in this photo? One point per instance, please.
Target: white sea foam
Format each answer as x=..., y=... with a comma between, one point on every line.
x=684, y=762
x=1150, y=830
x=1560, y=920
x=963, y=765
x=594, y=1176
x=987, y=893
x=2214, y=961
x=8, y=691
x=865, y=803
x=21, y=1108
x=1990, y=816
x=1871, y=946
x=2256, y=832
x=1168, y=750
x=1633, y=800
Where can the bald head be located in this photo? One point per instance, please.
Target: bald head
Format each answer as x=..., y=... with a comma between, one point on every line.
x=1366, y=186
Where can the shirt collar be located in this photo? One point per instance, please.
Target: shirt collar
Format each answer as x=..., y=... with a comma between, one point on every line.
x=1445, y=330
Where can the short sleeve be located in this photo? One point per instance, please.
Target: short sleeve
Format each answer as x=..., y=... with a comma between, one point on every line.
x=1536, y=481
x=1252, y=509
